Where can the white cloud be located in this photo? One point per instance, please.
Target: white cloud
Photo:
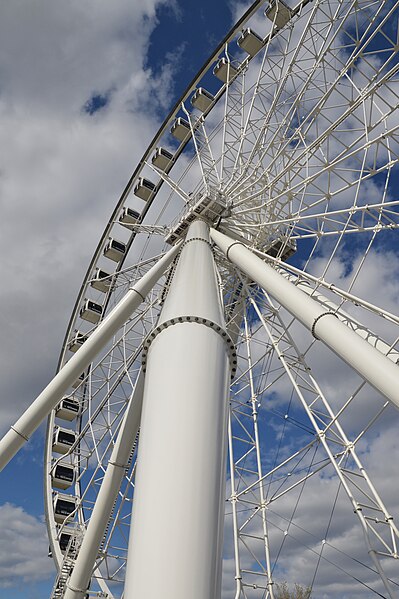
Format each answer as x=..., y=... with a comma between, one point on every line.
x=54, y=56
x=61, y=170
x=23, y=547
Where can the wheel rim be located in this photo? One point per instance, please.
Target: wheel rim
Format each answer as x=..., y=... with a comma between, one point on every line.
x=292, y=159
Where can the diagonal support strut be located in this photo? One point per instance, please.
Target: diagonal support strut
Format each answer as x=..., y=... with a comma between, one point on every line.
x=370, y=363
x=31, y=419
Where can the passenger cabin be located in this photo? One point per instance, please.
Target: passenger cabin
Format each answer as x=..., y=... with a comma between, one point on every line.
x=64, y=506
x=202, y=99
x=78, y=381
x=224, y=70
x=63, y=439
x=63, y=476
x=162, y=159
x=282, y=249
x=67, y=409
x=77, y=341
x=67, y=541
x=278, y=12
x=129, y=217
x=114, y=250
x=91, y=311
x=250, y=42
x=144, y=189
x=180, y=129
x=101, y=281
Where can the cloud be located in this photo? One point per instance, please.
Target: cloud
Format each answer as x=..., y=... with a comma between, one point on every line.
x=64, y=168
x=55, y=56
x=23, y=547
x=78, y=104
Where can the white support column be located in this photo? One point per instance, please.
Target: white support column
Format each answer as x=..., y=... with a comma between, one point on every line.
x=79, y=581
x=52, y=394
x=175, y=546
x=370, y=363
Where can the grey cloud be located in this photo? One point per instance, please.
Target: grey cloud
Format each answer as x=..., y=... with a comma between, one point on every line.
x=63, y=169
x=23, y=547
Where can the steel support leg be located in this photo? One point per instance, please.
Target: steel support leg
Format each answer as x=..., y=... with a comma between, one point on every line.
x=351, y=322
x=79, y=581
x=175, y=546
x=370, y=363
x=52, y=394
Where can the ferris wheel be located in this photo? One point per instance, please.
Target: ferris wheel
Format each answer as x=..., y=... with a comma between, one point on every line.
x=231, y=363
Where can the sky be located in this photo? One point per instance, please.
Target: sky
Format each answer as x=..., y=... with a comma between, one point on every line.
x=83, y=88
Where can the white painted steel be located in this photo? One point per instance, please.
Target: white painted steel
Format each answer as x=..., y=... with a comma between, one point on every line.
x=308, y=279
x=175, y=545
x=370, y=363
x=346, y=318
x=358, y=508
x=197, y=293
x=79, y=581
x=262, y=494
x=52, y=394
